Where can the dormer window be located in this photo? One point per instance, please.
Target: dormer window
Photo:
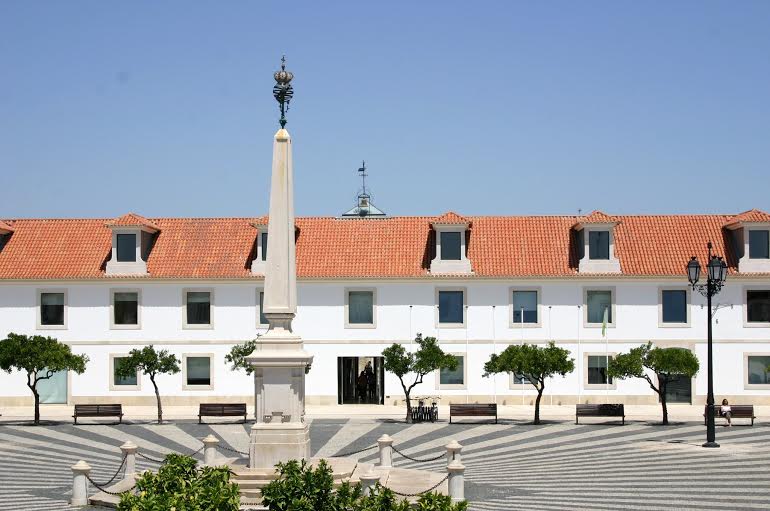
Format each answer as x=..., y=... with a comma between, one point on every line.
x=596, y=244
x=260, y=256
x=451, y=246
x=132, y=239
x=451, y=249
x=126, y=250
x=750, y=233
x=599, y=245
x=759, y=244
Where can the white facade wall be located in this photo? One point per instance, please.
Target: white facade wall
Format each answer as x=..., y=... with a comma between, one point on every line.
x=402, y=309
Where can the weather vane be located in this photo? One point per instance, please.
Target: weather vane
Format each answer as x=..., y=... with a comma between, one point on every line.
x=282, y=91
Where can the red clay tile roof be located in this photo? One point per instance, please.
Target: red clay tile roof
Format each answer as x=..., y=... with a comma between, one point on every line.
x=752, y=215
x=4, y=227
x=394, y=247
x=132, y=220
x=598, y=217
x=450, y=218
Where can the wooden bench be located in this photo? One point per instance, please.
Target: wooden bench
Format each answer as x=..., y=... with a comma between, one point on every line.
x=102, y=410
x=221, y=410
x=473, y=410
x=600, y=410
x=737, y=412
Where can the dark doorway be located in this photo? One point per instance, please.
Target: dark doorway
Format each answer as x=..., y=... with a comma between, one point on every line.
x=360, y=380
x=679, y=389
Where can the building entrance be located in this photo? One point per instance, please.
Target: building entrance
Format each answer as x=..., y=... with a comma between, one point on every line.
x=360, y=380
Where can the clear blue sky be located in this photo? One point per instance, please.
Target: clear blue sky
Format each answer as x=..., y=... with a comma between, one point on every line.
x=165, y=108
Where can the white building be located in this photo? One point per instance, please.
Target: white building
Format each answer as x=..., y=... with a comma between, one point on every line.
x=478, y=284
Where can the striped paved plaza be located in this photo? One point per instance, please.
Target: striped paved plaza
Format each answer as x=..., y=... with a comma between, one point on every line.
x=508, y=466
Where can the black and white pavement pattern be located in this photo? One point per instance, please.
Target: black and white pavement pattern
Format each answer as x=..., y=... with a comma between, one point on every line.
x=510, y=466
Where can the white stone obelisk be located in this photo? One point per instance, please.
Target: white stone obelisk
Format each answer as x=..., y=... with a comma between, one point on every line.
x=280, y=432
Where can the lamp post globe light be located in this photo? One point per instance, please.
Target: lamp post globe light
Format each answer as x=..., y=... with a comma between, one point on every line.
x=716, y=273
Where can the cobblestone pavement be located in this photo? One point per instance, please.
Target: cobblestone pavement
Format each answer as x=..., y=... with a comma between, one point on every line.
x=511, y=466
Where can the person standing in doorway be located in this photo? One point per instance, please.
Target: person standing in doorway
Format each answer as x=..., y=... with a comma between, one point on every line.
x=370, y=383
x=361, y=387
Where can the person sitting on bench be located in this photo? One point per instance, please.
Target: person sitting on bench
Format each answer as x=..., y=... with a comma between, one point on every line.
x=726, y=412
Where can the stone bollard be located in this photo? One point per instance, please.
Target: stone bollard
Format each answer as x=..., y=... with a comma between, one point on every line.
x=456, y=482
x=79, y=483
x=453, y=450
x=210, y=449
x=369, y=480
x=385, y=443
x=129, y=452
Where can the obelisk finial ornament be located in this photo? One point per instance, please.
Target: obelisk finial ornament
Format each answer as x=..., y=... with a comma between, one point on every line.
x=282, y=91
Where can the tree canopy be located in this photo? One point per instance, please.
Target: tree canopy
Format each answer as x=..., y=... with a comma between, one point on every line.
x=534, y=363
x=428, y=358
x=238, y=354
x=665, y=363
x=39, y=357
x=151, y=362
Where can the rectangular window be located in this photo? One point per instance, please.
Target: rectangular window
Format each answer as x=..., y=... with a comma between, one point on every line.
x=360, y=307
x=596, y=303
x=450, y=307
x=674, y=306
x=759, y=244
x=125, y=308
x=597, y=370
x=52, y=309
x=759, y=370
x=126, y=248
x=262, y=318
x=520, y=379
x=198, y=308
x=198, y=370
x=526, y=302
x=758, y=306
x=599, y=245
x=450, y=246
x=264, y=246
x=119, y=381
x=456, y=377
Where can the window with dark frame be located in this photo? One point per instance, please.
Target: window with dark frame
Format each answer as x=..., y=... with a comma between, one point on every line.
x=453, y=377
x=118, y=380
x=758, y=306
x=596, y=303
x=126, y=249
x=198, y=308
x=262, y=318
x=597, y=370
x=599, y=245
x=360, y=307
x=52, y=309
x=450, y=307
x=451, y=246
x=528, y=301
x=758, y=370
x=125, y=308
x=264, y=246
x=674, y=306
x=759, y=244
x=198, y=370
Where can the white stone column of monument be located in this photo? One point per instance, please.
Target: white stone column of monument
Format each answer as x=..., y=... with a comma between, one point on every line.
x=280, y=432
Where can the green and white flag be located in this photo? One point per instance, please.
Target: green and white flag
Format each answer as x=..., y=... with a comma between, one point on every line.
x=604, y=322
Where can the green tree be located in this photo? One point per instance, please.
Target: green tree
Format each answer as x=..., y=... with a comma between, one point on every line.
x=179, y=484
x=238, y=354
x=152, y=363
x=428, y=358
x=666, y=363
x=40, y=357
x=533, y=363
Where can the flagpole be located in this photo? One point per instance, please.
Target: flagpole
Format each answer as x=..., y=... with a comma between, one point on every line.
x=465, y=361
x=494, y=352
x=522, y=345
x=606, y=357
x=580, y=360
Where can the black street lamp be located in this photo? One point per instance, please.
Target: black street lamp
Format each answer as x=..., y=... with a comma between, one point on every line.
x=717, y=273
